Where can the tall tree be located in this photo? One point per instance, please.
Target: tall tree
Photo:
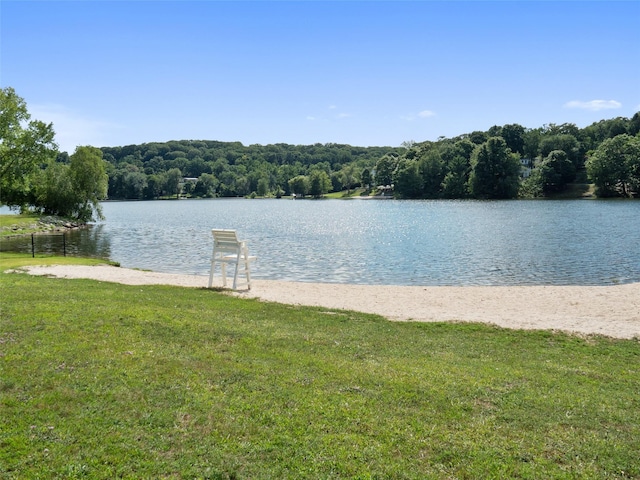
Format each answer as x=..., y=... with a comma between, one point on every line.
x=614, y=167
x=173, y=179
x=384, y=170
x=495, y=171
x=54, y=190
x=348, y=176
x=319, y=183
x=454, y=184
x=90, y=181
x=513, y=135
x=551, y=175
x=566, y=142
x=432, y=169
x=634, y=124
x=407, y=179
x=365, y=177
x=25, y=145
x=299, y=185
x=73, y=190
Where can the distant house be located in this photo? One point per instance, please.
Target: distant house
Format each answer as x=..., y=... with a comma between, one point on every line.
x=525, y=167
x=187, y=185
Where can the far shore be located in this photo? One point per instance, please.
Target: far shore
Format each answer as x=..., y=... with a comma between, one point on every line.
x=612, y=311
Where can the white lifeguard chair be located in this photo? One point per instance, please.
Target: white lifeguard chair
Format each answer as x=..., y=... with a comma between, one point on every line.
x=227, y=249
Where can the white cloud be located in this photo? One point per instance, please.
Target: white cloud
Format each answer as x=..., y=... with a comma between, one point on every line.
x=332, y=107
x=72, y=129
x=426, y=113
x=593, y=105
x=422, y=114
x=309, y=117
x=344, y=115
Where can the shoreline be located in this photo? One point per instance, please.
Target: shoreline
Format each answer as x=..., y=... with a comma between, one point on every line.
x=612, y=311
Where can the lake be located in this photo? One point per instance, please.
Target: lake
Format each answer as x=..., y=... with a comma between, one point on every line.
x=538, y=242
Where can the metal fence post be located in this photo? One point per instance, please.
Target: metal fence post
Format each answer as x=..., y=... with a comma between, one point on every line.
x=33, y=247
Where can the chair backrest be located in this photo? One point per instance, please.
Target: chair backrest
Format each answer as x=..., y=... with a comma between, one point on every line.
x=225, y=240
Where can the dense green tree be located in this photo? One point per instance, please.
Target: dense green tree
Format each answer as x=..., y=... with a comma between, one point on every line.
x=135, y=184
x=478, y=137
x=454, y=184
x=173, y=181
x=384, y=170
x=407, y=179
x=90, y=182
x=560, y=163
x=531, y=147
x=565, y=142
x=73, y=190
x=634, y=124
x=614, y=167
x=55, y=193
x=633, y=165
x=155, y=184
x=25, y=146
x=550, y=176
x=495, y=171
x=432, y=170
x=196, y=167
x=349, y=177
x=617, y=126
x=263, y=187
x=513, y=135
x=242, y=185
x=365, y=177
x=494, y=131
x=299, y=185
x=206, y=186
x=319, y=183
x=463, y=148
x=187, y=188
x=336, y=181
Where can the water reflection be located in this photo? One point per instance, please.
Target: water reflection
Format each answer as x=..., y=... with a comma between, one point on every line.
x=90, y=241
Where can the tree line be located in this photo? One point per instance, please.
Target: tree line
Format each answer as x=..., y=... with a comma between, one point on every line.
x=230, y=169
x=508, y=161
x=511, y=161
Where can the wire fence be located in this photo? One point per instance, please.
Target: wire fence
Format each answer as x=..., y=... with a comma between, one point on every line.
x=38, y=243
x=33, y=242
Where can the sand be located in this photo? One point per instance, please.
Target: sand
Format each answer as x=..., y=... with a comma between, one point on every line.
x=605, y=310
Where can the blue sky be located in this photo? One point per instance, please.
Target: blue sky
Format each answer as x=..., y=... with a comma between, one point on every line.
x=363, y=73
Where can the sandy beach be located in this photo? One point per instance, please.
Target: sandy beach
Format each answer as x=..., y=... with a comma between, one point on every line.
x=606, y=310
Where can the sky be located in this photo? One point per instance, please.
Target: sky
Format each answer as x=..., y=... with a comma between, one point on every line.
x=363, y=73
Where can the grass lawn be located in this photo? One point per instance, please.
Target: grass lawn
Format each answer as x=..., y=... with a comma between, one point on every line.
x=100, y=380
x=354, y=193
x=18, y=224
x=26, y=224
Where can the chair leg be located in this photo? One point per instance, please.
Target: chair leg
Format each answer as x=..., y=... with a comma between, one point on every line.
x=247, y=270
x=223, y=267
x=235, y=276
x=213, y=265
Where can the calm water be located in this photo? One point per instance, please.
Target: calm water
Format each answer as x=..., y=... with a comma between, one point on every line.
x=382, y=242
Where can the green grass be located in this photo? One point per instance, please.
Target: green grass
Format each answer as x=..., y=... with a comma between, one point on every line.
x=10, y=260
x=26, y=224
x=100, y=380
x=18, y=224
x=354, y=193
